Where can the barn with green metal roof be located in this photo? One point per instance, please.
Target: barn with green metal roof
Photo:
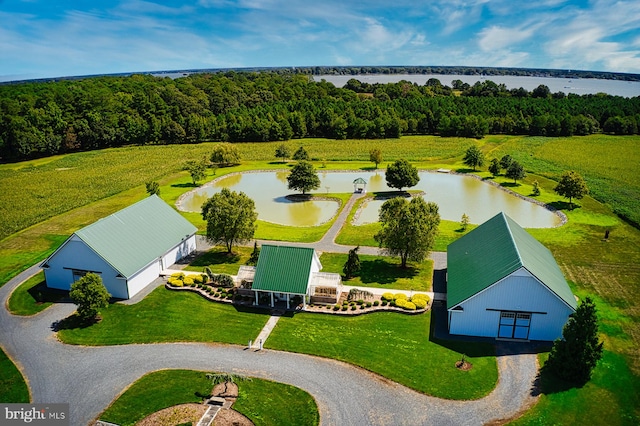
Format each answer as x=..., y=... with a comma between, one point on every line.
x=128, y=249
x=285, y=273
x=503, y=283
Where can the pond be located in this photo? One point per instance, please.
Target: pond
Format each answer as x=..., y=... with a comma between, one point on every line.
x=454, y=194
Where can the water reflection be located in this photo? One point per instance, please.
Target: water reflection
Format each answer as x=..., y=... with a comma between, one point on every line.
x=454, y=194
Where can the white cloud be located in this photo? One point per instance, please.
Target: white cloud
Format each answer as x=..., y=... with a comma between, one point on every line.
x=499, y=37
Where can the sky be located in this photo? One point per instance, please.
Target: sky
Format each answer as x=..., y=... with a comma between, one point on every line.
x=45, y=38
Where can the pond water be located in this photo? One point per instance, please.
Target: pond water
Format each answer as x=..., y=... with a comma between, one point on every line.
x=579, y=86
x=454, y=194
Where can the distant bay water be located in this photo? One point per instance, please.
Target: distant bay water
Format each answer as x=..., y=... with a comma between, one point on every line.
x=579, y=86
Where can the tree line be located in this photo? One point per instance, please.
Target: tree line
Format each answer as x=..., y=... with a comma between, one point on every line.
x=47, y=118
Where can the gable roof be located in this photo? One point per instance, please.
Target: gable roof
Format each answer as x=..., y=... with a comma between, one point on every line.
x=494, y=250
x=283, y=269
x=137, y=235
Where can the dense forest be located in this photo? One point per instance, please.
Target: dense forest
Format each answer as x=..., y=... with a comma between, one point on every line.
x=46, y=118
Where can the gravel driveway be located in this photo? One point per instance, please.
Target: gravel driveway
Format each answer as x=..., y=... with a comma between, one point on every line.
x=89, y=378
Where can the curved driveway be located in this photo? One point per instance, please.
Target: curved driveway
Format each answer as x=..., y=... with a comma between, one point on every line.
x=89, y=378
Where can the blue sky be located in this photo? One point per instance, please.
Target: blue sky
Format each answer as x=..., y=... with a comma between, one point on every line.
x=45, y=38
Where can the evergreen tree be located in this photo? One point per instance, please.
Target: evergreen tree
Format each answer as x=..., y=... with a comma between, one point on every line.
x=575, y=355
x=255, y=254
x=301, y=154
x=153, y=188
x=464, y=222
x=494, y=167
x=352, y=265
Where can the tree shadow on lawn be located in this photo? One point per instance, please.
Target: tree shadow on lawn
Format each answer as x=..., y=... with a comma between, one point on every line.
x=383, y=272
x=184, y=185
x=563, y=205
x=547, y=383
x=215, y=258
x=509, y=184
x=465, y=170
x=73, y=322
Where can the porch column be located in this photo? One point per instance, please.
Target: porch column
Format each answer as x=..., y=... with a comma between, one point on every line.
x=288, y=305
x=256, y=293
x=272, y=304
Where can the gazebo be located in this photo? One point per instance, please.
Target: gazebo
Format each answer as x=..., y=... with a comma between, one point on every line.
x=359, y=185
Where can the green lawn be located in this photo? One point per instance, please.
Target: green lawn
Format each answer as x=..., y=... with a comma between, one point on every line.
x=13, y=388
x=382, y=272
x=612, y=397
x=32, y=296
x=220, y=261
x=394, y=345
x=168, y=316
x=264, y=402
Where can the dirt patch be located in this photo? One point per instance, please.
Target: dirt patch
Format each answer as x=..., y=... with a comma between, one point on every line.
x=175, y=415
x=464, y=365
x=231, y=393
x=231, y=418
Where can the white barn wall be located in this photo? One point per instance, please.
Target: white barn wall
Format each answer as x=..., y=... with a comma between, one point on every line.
x=180, y=251
x=75, y=254
x=519, y=291
x=143, y=278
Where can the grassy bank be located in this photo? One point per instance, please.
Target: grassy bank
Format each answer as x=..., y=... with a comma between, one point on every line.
x=12, y=385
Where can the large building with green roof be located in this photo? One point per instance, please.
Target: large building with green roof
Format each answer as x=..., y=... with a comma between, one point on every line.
x=503, y=283
x=128, y=249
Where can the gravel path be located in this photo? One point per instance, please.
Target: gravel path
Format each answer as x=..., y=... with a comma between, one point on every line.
x=89, y=378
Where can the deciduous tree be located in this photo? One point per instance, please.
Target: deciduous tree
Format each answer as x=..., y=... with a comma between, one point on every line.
x=575, y=355
x=375, y=156
x=153, y=188
x=473, y=157
x=90, y=294
x=506, y=161
x=408, y=228
x=197, y=170
x=303, y=177
x=283, y=152
x=231, y=218
x=401, y=174
x=225, y=154
x=515, y=172
x=571, y=185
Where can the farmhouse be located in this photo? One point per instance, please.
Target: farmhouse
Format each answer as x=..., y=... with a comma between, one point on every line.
x=128, y=249
x=503, y=283
x=291, y=274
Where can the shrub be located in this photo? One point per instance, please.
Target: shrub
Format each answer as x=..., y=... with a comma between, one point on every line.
x=198, y=279
x=384, y=303
x=410, y=306
x=178, y=275
x=360, y=301
x=387, y=296
x=419, y=303
x=344, y=307
x=328, y=307
x=368, y=304
x=353, y=308
x=225, y=280
x=401, y=302
x=400, y=296
x=361, y=306
x=420, y=296
x=177, y=283
x=336, y=308
x=376, y=303
x=187, y=281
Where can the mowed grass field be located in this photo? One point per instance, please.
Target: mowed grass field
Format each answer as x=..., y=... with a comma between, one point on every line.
x=608, y=270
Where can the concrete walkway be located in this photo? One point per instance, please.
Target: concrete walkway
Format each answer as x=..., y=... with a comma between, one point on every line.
x=266, y=331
